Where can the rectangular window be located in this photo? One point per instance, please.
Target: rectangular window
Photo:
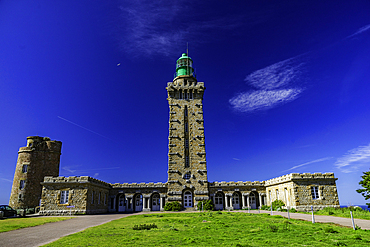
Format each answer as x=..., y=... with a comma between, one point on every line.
x=99, y=198
x=270, y=195
x=315, y=192
x=277, y=194
x=64, y=194
x=187, y=161
x=24, y=168
x=92, y=197
x=112, y=203
x=22, y=184
x=191, y=95
x=186, y=143
x=286, y=196
x=186, y=127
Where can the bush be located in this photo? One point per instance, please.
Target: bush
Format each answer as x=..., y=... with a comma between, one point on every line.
x=172, y=206
x=207, y=205
x=293, y=210
x=277, y=204
x=144, y=227
x=265, y=207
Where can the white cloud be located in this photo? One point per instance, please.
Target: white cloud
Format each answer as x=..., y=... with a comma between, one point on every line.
x=278, y=75
x=162, y=26
x=354, y=159
x=236, y=159
x=66, y=168
x=263, y=99
x=96, y=174
x=7, y=180
x=361, y=30
x=307, y=163
x=274, y=85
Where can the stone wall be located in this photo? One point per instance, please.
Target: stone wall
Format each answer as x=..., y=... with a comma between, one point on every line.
x=295, y=190
x=186, y=139
x=38, y=159
x=86, y=196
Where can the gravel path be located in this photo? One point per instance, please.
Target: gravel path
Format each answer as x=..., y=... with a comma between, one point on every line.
x=43, y=234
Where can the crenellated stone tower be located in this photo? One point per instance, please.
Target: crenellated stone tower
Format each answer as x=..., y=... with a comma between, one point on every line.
x=187, y=166
x=38, y=159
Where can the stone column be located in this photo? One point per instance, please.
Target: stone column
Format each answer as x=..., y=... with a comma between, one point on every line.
x=259, y=197
x=144, y=203
x=231, y=202
x=248, y=201
x=243, y=201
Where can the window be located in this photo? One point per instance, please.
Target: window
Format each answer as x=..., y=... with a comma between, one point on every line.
x=112, y=203
x=64, y=196
x=187, y=176
x=187, y=161
x=270, y=195
x=191, y=95
x=186, y=143
x=92, y=197
x=22, y=184
x=315, y=192
x=99, y=198
x=24, y=168
x=277, y=194
x=186, y=127
x=180, y=94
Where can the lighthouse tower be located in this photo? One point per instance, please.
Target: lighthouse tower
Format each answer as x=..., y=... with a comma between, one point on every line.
x=187, y=166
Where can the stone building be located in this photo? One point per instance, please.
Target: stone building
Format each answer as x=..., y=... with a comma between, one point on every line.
x=187, y=171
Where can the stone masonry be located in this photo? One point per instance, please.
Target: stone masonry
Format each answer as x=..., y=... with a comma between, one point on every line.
x=37, y=172
x=38, y=159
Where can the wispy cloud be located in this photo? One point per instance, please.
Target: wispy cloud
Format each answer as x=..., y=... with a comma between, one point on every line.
x=84, y=128
x=236, y=159
x=308, y=163
x=71, y=170
x=361, y=30
x=354, y=159
x=96, y=174
x=274, y=85
x=161, y=27
x=7, y=180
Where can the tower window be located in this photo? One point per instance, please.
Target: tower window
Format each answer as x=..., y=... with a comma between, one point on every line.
x=191, y=94
x=186, y=94
x=187, y=161
x=180, y=94
x=186, y=143
x=24, y=168
x=315, y=192
x=187, y=176
x=64, y=196
x=186, y=126
x=22, y=184
x=186, y=111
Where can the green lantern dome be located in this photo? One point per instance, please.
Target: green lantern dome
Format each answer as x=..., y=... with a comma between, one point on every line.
x=184, y=66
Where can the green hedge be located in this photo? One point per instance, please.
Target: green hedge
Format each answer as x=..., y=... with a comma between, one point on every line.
x=172, y=206
x=207, y=205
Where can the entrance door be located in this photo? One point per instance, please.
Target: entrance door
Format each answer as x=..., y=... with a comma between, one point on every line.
x=155, y=202
x=252, y=201
x=138, y=203
x=121, y=203
x=219, y=201
x=235, y=201
x=188, y=199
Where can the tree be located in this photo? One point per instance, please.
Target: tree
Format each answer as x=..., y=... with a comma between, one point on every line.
x=365, y=183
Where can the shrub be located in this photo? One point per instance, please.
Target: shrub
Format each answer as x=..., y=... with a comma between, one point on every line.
x=265, y=207
x=207, y=205
x=277, y=204
x=144, y=227
x=293, y=210
x=173, y=206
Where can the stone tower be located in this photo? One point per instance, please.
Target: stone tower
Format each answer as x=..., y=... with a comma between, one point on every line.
x=187, y=166
x=38, y=159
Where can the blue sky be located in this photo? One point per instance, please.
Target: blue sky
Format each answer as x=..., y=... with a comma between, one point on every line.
x=287, y=86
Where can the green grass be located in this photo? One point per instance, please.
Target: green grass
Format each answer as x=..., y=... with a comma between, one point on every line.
x=358, y=213
x=215, y=229
x=10, y=224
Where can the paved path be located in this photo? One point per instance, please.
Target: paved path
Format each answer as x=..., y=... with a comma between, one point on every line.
x=41, y=235
x=364, y=224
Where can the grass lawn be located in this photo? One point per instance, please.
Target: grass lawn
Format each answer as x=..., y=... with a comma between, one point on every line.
x=10, y=224
x=215, y=229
